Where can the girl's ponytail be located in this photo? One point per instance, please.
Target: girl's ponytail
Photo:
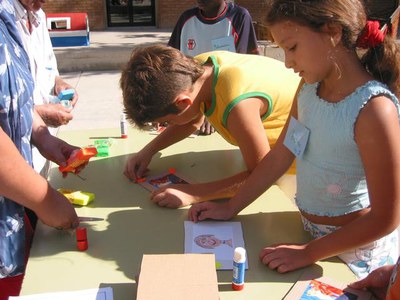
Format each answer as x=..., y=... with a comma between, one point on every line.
x=382, y=57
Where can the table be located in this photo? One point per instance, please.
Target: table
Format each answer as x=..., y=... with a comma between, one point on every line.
x=134, y=226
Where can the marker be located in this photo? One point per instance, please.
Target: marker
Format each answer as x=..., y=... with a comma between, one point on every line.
x=90, y=219
x=239, y=266
x=124, y=129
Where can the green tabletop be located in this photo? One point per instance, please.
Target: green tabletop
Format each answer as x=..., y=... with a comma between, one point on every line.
x=134, y=226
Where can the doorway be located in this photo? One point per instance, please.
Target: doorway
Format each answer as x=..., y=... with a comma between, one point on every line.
x=130, y=13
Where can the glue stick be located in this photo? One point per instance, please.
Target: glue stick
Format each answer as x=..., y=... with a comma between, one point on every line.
x=124, y=130
x=239, y=266
x=81, y=238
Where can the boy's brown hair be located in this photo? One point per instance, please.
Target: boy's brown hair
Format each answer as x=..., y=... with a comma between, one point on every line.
x=152, y=79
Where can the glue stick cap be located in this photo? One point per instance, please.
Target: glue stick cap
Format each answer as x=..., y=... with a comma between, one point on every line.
x=239, y=255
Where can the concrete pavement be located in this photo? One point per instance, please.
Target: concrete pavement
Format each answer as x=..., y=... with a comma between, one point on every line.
x=94, y=72
x=108, y=49
x=100, y=100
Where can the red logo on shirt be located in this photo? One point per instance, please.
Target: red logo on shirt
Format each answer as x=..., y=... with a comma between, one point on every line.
x=191, y=44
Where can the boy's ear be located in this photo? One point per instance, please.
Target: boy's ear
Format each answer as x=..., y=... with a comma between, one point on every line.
x=183, y=101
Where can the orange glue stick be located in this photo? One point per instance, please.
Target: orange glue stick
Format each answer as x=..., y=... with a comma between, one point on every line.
x=78, y=158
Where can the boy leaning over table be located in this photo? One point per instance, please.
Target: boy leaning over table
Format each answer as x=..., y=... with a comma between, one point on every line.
x=247, y=98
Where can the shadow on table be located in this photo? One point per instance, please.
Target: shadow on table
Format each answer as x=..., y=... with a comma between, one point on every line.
x=161, y=231
x=112, y=188
x=148, y=229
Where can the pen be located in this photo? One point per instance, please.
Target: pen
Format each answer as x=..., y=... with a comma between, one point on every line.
x=89, y=219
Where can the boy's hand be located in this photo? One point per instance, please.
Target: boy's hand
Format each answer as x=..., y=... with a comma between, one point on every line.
x=206, y=128
x=377, y=281
x=136, y=166
x=173, y=196
x=210, y=210
x=285, y=258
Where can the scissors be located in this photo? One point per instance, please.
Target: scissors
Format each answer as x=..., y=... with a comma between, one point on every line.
x=90, y=219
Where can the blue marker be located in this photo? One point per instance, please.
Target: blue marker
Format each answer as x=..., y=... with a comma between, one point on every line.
x=66, y=94
x=239, y=267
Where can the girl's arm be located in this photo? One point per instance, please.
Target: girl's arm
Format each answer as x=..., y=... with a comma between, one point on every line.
x=19, y=182
x=51, y=147
x=377, y=133
x=245, y=125
x=266, y=172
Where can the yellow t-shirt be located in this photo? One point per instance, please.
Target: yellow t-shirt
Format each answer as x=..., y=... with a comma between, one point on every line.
x=241, y=76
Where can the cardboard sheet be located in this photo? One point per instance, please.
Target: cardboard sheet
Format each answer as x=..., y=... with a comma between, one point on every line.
x=178, y=277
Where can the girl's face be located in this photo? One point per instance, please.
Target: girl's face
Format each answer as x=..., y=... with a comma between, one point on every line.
x=307, y=52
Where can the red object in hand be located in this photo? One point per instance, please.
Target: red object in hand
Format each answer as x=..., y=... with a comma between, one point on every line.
x=81, y=238
x=78, y=158
x=141, y=179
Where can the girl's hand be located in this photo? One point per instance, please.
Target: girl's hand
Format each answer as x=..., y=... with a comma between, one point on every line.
x=57, y=211
x=56, y=150
x=377, y=281
x=61, y=85
x=210, y=210
x=54, y=115
x=173, y=196
x=285, y=258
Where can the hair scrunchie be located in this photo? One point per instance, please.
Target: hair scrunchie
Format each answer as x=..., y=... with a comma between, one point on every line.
x=371, y=36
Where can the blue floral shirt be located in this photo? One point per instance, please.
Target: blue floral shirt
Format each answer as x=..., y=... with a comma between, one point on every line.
x=16, y=117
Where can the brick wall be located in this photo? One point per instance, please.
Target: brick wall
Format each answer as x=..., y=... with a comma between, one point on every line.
x=167, y=11
x=96, y=10
x=256, y=8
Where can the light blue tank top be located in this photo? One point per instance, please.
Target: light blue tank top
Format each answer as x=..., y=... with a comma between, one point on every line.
x=331, y=179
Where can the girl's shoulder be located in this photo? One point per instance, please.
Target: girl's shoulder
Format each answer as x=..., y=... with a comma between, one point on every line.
x=374, y=88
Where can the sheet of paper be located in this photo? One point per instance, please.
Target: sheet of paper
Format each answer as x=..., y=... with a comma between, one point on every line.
x=225, y=43
x=219, y=238
x=296, y=137
x=90, y=294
